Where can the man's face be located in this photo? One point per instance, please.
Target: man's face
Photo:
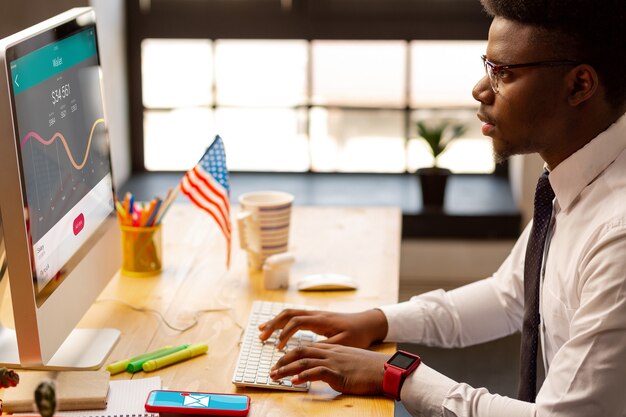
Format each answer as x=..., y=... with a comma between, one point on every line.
x=525, y=115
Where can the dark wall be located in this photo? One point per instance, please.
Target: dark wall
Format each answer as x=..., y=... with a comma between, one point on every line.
x=310, y=19
x=16, y=15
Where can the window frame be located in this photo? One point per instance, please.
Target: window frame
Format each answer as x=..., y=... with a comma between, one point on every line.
x=405, y=20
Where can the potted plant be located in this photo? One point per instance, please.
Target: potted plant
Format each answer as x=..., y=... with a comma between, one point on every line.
x=433, y=180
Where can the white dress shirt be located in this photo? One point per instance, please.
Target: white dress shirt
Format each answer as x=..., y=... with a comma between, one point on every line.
x=582, y=303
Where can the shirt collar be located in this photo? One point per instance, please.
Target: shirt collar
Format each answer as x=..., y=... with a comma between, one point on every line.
x=572, y=175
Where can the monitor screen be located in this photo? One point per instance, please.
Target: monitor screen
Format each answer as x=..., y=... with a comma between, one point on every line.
x=62, y=146
x=58, y=220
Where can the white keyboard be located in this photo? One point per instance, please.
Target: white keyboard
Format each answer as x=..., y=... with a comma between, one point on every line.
x=256, y=358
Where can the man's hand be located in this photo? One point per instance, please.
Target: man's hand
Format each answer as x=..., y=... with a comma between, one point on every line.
x=346, y=369
x=355, y=329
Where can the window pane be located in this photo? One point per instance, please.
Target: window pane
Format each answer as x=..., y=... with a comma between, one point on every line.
x=357, y=140
x=261, y=73
x=470, y=153
x=359, y=73
x=443, y=73
x=263, y=139
x=176, y=73
x=259, y=82
x=176, y=139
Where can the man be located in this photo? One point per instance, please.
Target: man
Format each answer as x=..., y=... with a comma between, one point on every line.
x=554, y=85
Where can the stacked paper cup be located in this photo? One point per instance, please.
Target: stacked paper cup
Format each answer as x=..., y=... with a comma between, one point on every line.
x=264, y=224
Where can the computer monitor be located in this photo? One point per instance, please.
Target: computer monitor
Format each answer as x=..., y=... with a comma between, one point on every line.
x=56, y=199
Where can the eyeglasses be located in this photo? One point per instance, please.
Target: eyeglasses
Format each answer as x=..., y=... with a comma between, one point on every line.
x=495, y=72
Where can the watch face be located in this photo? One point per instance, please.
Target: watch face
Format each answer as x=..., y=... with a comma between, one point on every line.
x=402, y=360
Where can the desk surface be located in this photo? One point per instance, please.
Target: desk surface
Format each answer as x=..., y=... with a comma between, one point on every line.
x=361, y=242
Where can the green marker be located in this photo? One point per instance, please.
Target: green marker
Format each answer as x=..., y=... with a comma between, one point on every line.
x=136, y=366
x=182, y=355
x=120, y=366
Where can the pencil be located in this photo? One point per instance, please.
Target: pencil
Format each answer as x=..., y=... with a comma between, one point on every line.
x=169, y=199
x=155, y=210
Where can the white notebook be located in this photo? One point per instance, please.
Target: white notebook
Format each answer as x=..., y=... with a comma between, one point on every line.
x=126, y=398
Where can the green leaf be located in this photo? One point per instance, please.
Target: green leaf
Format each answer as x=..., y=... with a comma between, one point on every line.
x=440, y=135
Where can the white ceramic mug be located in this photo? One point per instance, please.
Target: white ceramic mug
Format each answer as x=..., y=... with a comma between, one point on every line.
x=264, y=224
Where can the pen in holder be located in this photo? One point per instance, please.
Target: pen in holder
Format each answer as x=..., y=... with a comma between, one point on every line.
x=140, y=224
x=141, y=251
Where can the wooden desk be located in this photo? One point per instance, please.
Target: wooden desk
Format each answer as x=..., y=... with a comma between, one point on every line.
x=361, y=242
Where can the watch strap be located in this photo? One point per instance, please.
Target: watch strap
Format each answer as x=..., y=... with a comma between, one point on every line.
x=392, y=382
x=396, y=372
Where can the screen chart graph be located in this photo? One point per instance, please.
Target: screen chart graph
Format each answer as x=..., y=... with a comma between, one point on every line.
x=63, y=145
x=58, y=135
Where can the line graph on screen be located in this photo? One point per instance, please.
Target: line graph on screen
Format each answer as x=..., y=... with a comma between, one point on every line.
x=58, y=135
x=63, y=165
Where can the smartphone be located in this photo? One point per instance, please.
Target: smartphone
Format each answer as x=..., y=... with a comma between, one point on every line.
x=206, y=403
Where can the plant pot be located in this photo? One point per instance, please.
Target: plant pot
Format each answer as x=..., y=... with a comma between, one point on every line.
x=433, y=182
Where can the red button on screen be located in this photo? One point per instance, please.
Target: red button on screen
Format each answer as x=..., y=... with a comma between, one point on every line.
x=79, y=223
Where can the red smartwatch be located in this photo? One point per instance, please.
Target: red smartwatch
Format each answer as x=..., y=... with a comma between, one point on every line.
x=397, y=369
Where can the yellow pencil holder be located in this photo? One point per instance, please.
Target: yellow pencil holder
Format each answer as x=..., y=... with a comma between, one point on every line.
x=142, y=251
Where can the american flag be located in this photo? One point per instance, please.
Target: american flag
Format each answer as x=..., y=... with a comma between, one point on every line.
x=207, y=186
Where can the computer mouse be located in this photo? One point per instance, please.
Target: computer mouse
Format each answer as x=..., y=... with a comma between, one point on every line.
x=326, y=282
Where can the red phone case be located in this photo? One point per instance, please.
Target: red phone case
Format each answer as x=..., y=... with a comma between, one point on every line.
x=197, y=411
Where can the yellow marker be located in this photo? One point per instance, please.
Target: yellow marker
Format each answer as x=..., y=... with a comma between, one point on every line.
x=182, y=355
x=121, y=214
x=117, y=367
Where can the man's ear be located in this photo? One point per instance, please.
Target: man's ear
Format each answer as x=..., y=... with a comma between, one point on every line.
x=582, y=83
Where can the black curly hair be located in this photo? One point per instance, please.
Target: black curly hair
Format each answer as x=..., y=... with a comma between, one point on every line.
x=591, y=31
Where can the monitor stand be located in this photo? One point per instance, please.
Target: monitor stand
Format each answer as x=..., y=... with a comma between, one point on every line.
x=83, y=348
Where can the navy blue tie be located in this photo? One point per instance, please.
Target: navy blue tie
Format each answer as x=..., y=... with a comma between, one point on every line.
x=532, y=275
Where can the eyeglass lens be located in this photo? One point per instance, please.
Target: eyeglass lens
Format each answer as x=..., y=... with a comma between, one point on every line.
x=493, y=79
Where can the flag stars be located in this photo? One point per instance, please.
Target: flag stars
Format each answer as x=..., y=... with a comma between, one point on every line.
x=214, y=163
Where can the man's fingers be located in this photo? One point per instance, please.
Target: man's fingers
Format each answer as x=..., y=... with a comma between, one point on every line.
x=345, y=369
x=296, y=367
x=300, y=352
x=319, y=373
x=314, y=323
x=337, y=339
x=306, y=364
x=281, y=318
x=279, y=322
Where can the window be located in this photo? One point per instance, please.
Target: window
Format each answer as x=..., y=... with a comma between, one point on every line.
x=304, y=104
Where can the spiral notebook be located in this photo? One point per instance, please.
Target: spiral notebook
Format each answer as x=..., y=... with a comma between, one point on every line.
x=126, y=399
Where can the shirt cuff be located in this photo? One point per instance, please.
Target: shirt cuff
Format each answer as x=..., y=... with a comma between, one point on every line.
x=425, y=390
x=405, y=320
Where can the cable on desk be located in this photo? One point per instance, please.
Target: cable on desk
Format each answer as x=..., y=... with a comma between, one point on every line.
x=196, y=314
